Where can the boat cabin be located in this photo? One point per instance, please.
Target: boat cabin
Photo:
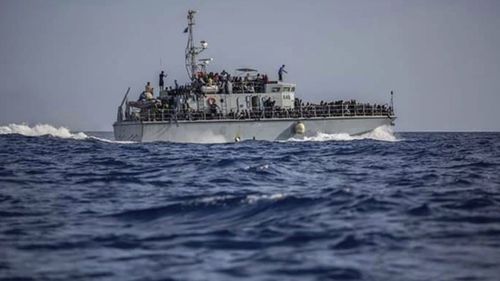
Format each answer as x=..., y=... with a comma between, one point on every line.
x=274, y=94
x=245, y=90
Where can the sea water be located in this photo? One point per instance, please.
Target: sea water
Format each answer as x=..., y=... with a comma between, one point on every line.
x=381, y=206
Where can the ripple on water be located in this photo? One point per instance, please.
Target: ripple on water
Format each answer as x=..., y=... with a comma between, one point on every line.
x=320, y=209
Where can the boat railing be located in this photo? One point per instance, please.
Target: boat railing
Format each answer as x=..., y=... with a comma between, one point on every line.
x=311, y=111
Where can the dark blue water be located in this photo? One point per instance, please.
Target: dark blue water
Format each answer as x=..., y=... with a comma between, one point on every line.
x=426, y=207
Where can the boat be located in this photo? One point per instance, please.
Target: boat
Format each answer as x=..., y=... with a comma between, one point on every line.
x=215, y=107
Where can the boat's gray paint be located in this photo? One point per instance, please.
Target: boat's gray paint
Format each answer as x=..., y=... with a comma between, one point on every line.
x=227, y=130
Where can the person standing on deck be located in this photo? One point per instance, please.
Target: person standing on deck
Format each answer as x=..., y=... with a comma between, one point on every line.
x=149, y=88
x=280, y=72
x=162, y=81
x=176, y=86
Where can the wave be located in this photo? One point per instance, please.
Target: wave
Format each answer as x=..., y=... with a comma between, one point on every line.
x=382, y=133
x=40, y=130
x=205, y=205
x=110, y=141
x=49, y=130
x=248, y=199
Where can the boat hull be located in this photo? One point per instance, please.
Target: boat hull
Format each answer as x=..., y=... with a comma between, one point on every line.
x=220, y=131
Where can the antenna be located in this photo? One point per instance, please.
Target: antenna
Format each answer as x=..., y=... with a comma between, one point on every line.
x=392, y=100
x=191, y=50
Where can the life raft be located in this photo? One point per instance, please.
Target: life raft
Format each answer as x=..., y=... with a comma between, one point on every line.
x=209, y=89
x=211, y=101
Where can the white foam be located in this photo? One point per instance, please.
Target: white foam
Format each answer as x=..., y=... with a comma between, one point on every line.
x=41, y=130
x=111, y=141
x=251, y=199
x=382, y=133
x=49, y=130
x=215, y=199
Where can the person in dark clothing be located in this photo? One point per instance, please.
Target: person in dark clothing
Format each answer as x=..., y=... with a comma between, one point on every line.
x=280, y=72
x=142, y=97
x=162, y=80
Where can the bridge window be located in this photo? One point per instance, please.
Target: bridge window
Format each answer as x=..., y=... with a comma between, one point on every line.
x=275, y=89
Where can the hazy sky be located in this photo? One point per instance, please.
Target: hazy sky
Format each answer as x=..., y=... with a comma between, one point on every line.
x=69, y=62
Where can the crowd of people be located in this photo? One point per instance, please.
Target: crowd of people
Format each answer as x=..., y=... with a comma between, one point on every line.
x=224, y=83
x=173, y=105
x=301, y=110
x=214, y=82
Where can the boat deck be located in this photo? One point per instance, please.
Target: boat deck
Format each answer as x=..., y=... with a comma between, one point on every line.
x=314, y=111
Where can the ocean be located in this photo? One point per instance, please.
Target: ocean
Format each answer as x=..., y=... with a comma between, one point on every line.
x=382, y=206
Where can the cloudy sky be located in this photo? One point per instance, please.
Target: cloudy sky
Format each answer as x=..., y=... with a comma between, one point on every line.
x=68, y=62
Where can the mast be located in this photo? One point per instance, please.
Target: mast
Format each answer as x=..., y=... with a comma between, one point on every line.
x=191, y=50
x=392, y=101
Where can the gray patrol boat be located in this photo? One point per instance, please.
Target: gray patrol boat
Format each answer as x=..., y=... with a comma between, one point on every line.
x=215, y=107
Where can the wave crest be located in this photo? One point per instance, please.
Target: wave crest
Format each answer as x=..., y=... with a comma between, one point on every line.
x=382, y=133
x=49, y=130
x=40, y=130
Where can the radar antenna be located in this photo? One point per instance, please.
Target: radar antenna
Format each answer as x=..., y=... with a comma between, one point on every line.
x=191, y=50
